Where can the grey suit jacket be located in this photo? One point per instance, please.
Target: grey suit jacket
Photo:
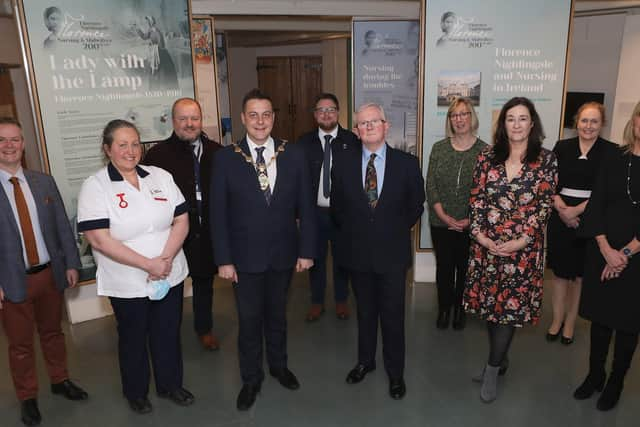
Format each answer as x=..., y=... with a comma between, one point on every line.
x=55, y=229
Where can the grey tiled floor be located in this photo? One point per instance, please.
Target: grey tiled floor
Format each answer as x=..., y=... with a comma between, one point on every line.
x=535, y=392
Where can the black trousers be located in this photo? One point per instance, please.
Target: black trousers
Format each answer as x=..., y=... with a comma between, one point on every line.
x=380, y=298
x=143, y=322
x=452, y=255
x=261, y=301
x=624, y=347
x=318, y=273
x=202, y=304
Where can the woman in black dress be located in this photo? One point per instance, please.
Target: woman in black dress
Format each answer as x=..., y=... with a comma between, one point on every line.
x=612, y=273
x=578, y=161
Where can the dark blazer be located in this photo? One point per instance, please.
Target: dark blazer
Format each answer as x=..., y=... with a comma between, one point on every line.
x=248, y=233
x=376, y=240
x=312, y=146
x=176, y=156
x=55, y=228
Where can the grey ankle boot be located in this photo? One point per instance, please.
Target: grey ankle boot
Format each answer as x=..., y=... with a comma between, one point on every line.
x=488, y=390
x=477, y=378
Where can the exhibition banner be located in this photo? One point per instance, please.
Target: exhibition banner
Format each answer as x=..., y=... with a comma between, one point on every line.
x=491, y=51
x=94, y=61
x=205, y=71
x=385, y=72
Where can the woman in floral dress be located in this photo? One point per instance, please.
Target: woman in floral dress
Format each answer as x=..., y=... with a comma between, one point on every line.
x=511, y=198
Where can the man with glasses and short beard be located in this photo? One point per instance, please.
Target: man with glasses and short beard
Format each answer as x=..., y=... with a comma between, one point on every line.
x=263, y=227
x=321, y=145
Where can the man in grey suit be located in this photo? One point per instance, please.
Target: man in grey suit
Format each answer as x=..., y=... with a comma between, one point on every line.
x=39, y=260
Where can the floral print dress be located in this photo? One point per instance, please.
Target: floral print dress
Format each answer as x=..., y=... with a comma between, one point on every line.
x=508, y=290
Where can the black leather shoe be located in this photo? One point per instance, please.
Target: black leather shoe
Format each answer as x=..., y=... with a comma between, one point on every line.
x=443, y=319
x=590, y=385
x=610, y=395
x=286, y=378
x=29, y=412
x=397, y=389
x=69, y=390
x=179, y=396
x=140, y=405
x=459, y=319
x=358, y=373
x=247, y=396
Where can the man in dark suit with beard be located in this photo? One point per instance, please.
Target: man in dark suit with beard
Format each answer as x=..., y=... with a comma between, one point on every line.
x=338, y=140
x=188, y=156
x=376, y=197
x=264, y=226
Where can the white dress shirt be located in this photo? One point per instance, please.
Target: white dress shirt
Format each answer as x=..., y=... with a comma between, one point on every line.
x=322, y=201
x=268, y=153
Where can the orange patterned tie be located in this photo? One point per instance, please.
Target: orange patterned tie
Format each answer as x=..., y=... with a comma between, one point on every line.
x=25, y=223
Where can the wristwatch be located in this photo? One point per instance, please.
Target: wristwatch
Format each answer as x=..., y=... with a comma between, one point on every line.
x=627, y=252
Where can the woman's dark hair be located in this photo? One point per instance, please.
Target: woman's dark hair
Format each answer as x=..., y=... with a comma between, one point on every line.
x=501, y=148
x=50, y=11
x=112, y=127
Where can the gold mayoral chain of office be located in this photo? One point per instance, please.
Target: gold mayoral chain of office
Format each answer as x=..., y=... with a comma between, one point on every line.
x=261, y=169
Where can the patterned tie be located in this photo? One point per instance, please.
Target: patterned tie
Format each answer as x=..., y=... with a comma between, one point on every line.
x=25, y=223
x=371, y=182
x=326, y=167
x=263, y=178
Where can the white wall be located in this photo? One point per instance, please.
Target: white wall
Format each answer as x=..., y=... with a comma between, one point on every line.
x=242, y=78
x=594, y=59
x=628, y=84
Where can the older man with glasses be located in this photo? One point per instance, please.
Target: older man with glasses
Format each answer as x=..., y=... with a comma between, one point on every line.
x=376, y=198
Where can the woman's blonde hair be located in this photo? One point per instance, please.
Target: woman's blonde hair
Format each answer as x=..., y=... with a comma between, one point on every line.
x=628, y=137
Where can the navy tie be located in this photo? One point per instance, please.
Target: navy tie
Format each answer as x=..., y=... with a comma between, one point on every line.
x=196, y=175
x=326, y=167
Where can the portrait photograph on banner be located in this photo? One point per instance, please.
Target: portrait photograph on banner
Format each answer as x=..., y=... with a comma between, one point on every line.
x=385, y=72
x=94, y=61
x=488, y=58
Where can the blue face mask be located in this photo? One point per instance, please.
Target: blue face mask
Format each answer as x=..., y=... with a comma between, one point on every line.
x=158, y=289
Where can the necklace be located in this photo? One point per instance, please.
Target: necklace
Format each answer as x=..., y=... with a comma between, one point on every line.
x=633, y=202
x=260, y=169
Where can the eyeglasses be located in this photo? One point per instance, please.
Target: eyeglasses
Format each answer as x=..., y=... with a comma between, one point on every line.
x=326, y=110
x=265, y=116
x=365, y=123
x=455, y=116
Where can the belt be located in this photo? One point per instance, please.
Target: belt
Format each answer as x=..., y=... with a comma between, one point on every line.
x=580, y=194
x=37, y=268
x=323, y=208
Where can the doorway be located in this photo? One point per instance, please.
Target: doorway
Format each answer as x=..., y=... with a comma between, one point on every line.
x=292, y=83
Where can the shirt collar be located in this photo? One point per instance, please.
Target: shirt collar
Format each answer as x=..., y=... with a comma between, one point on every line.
x=114, y=175
x=19, y=174
x=269, y=145
x=381, y=153
x=333, y=133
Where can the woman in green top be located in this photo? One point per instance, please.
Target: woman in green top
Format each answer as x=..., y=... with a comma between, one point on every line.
x=449, y=179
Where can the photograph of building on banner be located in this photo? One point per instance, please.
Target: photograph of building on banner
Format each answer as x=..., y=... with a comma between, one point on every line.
x=385, y=72
x=472, y=52
x=94, y=61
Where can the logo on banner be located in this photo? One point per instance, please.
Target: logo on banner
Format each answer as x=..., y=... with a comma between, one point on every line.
x=464, y=31
x=123, y=203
